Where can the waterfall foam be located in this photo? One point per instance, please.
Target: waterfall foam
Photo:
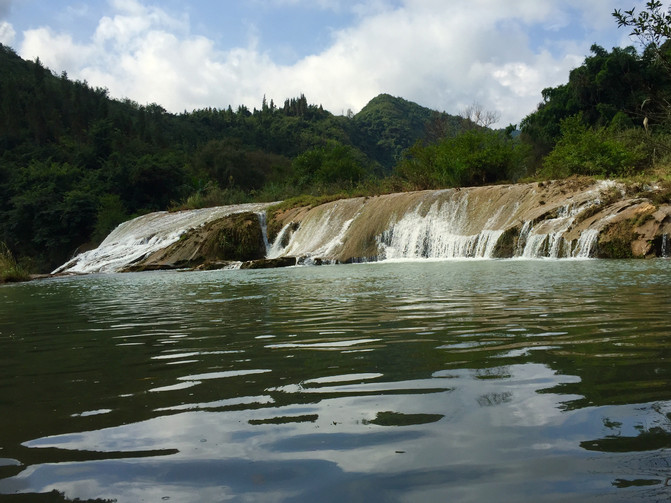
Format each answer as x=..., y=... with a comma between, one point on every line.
x=135, y=239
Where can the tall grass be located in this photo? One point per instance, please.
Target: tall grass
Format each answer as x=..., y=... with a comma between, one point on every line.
x=10, y=270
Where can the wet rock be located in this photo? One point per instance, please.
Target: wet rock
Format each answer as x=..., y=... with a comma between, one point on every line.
x=269, y=263
x=507, y=243
x=236, y=237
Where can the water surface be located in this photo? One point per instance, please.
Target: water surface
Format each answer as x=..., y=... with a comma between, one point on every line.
x=464, y=380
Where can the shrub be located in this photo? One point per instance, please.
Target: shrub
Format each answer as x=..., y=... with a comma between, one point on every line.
x=582, y=150
x=10, y=270
x=474, y=157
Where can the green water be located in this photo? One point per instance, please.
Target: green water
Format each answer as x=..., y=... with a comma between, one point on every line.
x=435, y=381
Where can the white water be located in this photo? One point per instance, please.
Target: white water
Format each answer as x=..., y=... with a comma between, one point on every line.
x=264, y=230
x=322, y=235
x=447, y=224
x=137, y=238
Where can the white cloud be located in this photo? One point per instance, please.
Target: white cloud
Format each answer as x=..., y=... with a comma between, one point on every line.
x=57, y=51
x=444, y=55
x=7, y=33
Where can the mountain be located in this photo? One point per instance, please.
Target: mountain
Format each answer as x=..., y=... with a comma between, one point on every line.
x=388, y=125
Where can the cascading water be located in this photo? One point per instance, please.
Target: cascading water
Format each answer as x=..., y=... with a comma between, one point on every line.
x=264, y=229
x=586, y=243
x=552, y=220
x=323, y=235
x=482, y=222
x=438, y=234
x=137, y=238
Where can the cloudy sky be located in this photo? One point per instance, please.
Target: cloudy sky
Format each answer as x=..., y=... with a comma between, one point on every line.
x=443, y=54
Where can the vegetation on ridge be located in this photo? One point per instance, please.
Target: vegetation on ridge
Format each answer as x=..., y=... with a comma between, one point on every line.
x=75, y=163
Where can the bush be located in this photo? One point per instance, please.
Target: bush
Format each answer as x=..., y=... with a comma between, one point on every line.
x=582, y=150
x=10, y=270
x=210, y=196
x=474, y=157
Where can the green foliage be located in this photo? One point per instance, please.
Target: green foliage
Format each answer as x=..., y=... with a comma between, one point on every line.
x=584, y=150
x=474, y=157
x=10, y=270
x=111, y=212
x=652, y=27
x=212, y=195
x=620, y=88
x=334, y=165
x=230, y=164
x=622, y=99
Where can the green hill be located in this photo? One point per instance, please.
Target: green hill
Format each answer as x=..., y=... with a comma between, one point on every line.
x=387, y=126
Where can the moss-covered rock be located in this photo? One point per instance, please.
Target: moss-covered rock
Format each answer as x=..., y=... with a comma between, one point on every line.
x=616, y=239
x=238, y=237
x=507, y=243
x=234, y=238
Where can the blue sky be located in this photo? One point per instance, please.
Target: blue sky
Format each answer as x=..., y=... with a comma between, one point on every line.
x=443, y=54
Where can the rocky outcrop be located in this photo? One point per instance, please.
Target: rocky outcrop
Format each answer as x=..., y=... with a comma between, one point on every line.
x=214, y=245
x=636, y=231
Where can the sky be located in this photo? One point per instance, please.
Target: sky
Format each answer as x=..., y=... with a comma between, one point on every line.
x=443, y=54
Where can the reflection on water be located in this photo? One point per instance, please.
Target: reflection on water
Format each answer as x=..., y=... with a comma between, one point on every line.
x=468, y=380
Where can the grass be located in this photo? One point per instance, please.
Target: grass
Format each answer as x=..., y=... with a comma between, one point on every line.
x=10, y=270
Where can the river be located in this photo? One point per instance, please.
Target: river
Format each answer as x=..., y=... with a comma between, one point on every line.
x=465, y=380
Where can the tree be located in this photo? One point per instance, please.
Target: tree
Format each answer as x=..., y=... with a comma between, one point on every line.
x=476, y=115
x=652, y=27
x=618, y=86
x=334, y=165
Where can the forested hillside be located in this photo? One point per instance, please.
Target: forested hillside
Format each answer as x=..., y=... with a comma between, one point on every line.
x=75, y=163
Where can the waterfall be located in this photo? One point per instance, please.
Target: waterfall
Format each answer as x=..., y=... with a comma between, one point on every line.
x=437, y=234
x=278, y=245
x=480, y=222
x=665, y=246
x=322, y=235
x=586, y=243
x=264, y=229
x=549, y=220
x=135, y=239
